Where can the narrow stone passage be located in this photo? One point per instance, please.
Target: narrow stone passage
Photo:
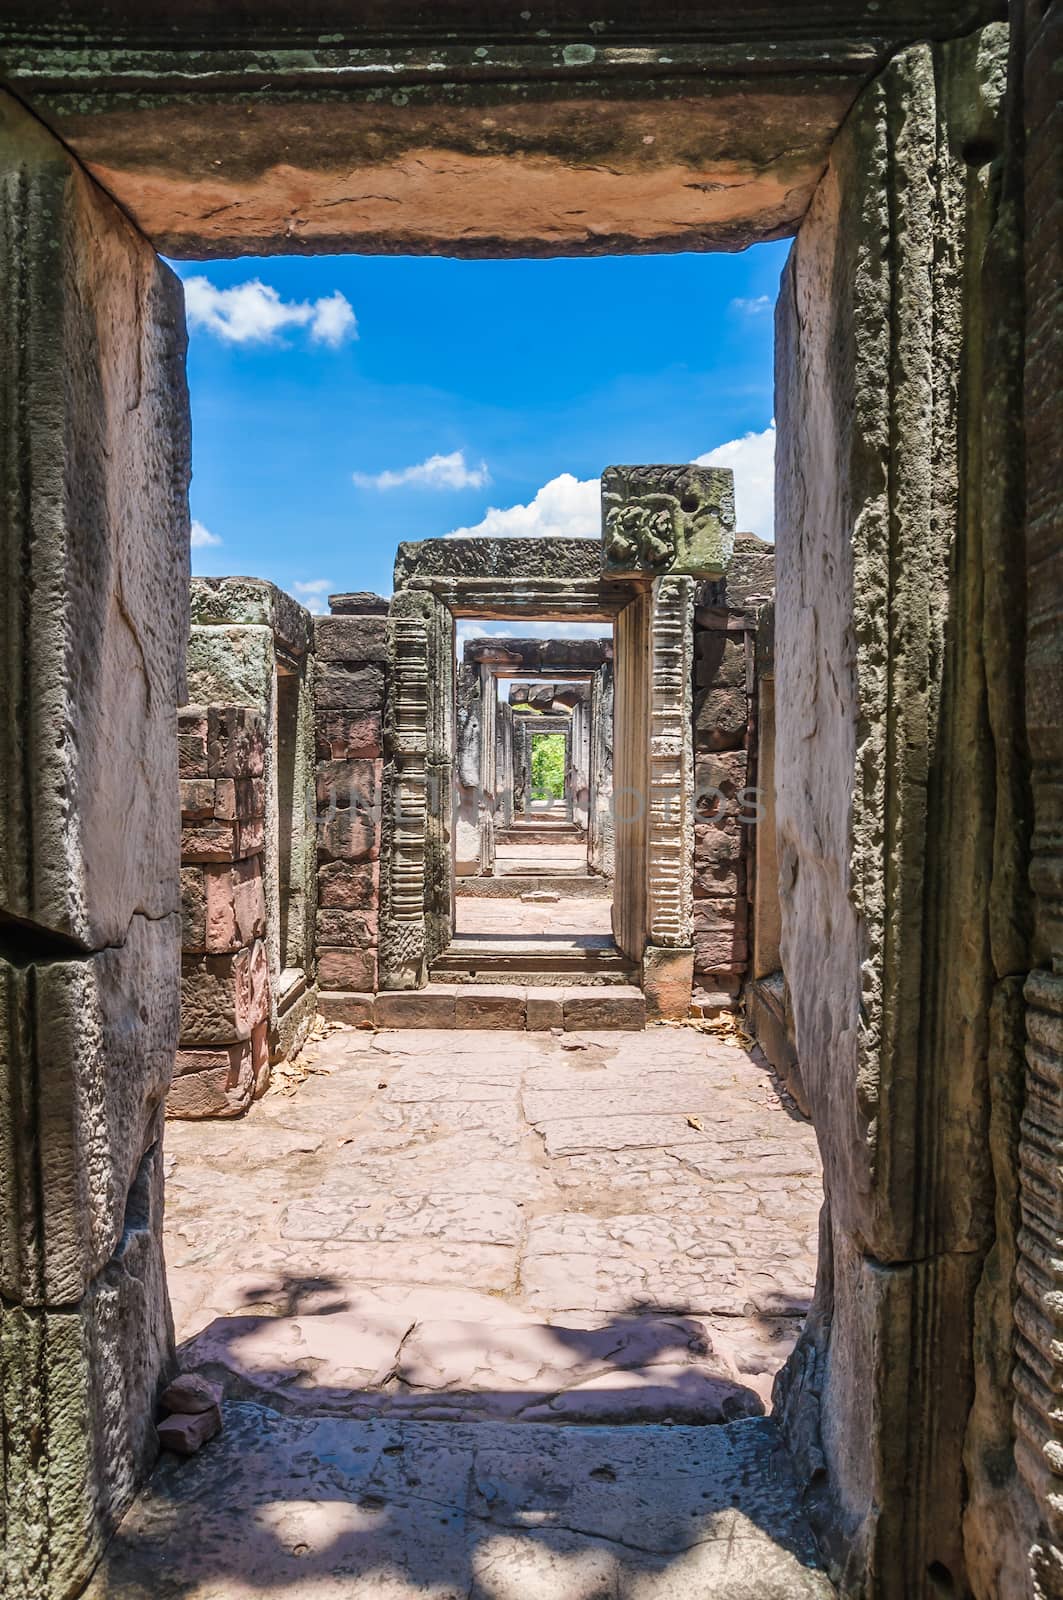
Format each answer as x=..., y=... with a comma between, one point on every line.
x=436, y=1247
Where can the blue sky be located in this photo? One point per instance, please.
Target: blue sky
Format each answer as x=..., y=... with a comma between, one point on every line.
x=340, y=404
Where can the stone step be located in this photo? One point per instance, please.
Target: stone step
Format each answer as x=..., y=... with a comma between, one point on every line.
x=535, y=1006
x=511, y=888
x=482, y=957
x=351, y=1510
x=429, y=1363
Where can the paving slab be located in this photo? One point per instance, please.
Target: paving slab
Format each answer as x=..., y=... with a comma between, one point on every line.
x=324, y=1508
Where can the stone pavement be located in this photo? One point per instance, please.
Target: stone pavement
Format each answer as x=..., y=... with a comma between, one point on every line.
x=408, y=1270
x=518, y=918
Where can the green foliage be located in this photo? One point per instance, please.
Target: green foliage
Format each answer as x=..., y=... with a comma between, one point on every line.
x=548, y=766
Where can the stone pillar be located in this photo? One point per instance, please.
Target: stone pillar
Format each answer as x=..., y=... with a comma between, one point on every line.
x=94, y=419
x=350, y=665
x=600, y=845
x=668, y=958
x=467, y=725
x=417, y=891
x=900, y=826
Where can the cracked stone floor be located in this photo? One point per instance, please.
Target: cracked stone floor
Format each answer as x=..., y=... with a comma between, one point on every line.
x=409, y=1271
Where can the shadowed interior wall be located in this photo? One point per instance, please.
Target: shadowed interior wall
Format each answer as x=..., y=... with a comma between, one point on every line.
x=95, y=427
x=902, y=927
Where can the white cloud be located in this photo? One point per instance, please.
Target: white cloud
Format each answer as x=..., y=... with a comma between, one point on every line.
x=254, y=312
x=564, y=508
x=752, y=460
x=516, y=629
x=752, y=308
x=314, y=594
x=438, y=472
x=201, y=536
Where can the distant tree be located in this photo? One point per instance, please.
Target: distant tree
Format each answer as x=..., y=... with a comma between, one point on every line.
x=548, y=766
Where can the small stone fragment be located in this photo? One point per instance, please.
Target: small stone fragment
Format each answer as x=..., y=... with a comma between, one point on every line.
x=191, y=1393
x=533, y=897
x=186, y=1432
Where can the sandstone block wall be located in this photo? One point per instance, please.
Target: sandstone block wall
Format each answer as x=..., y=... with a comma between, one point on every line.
x=725, y=621
x=350, y=687
x=248, y=881
x=223, y=1060
x=93, y=620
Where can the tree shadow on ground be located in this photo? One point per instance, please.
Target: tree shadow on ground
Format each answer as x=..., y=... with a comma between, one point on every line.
x=319, y=1489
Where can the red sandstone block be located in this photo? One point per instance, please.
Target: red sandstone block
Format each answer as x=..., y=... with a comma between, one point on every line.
x=356, y=1010
x=353, y=885
x=431, y=1007
x=260, y=1058
x=236, y=742
x=250, y=838
x=346, y=969
x=192, y=742
x=490, y=1005
x=223, y=907
x=350, y=785
x=211, y=1083
x=208, y=841
x=223, y=997
x=184, y=1434
x=617, y=1006
x=197, y=799
x=357, y=930
x=343, y=735
x=347, y=836
x=240, y=799
x=720, y=940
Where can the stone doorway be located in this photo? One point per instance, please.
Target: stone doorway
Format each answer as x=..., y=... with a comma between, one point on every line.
x=920, y=1405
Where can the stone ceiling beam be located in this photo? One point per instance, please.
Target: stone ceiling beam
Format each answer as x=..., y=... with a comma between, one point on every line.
x=457, y=127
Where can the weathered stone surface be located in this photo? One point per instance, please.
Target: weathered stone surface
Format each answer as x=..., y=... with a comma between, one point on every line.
x=83, y=1378
x=351, y=639
x=231, y=664
x=348, y=884
x=361, y=602
x=545, y=1009
x=619, y=1006
x=255, y=601
x=95, y=603
x=720, y=719
x=677, y=519
x=749, y=580
x=222, y=906
x=192, y=742
x=90, y=1047
x=489, y=1005
x=344, y=735
x=219, y=1091
x=431, y=1007
x=667, y=979
x=719, y=660
x=719, y=871
x=223, y=997
x=236, y=741
x=462, y=559
x=353, y=928
x=191, y=1393
x=352, y=689
x=185, y=1433
x=348, y=835
x=721, y=939
x=347, y=968
x=638, y=1516
x=356, y=1010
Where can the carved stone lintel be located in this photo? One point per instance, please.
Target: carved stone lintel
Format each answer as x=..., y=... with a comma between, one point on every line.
x=678, y=519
